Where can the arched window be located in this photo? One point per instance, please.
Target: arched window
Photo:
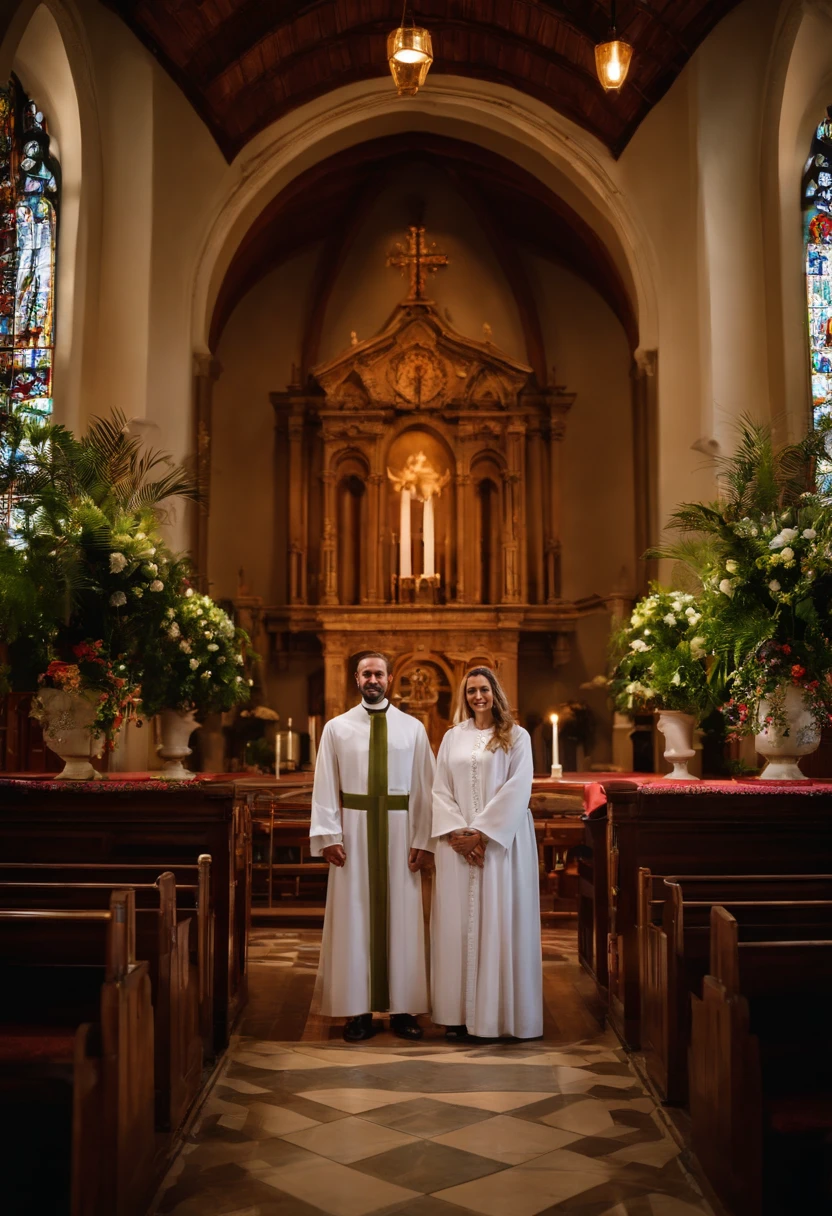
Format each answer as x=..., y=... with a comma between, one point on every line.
x=30, y=181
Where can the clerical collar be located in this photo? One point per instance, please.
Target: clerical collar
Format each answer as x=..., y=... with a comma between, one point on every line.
x=381, y=708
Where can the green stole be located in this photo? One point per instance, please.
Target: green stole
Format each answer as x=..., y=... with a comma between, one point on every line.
x=377, y=802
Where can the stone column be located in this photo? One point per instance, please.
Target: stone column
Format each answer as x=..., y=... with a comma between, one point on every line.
x=517, y=458
x=645, y=463
x=298, y=553
x=375, y=489
x=506, y=661
x=335, y=674
x=511, y=556
x=206, y=371
x=557, y=430
x=461, y=504
x=329, y=542
x=536, y=499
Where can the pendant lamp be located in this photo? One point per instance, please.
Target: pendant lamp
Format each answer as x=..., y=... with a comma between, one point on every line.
x=612, y=58
x=409, y=54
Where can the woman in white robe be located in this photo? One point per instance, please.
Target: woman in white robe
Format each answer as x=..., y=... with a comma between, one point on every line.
x=486, y=953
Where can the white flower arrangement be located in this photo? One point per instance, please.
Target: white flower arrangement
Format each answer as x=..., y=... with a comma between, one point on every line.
x=198, y=648
x=661, y=658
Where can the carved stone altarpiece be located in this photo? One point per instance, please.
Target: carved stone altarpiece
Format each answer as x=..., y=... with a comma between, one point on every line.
x=420, y=392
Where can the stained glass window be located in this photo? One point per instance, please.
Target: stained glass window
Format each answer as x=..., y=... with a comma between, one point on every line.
x=29, y=200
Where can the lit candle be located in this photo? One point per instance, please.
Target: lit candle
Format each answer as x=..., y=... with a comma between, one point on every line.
x=405, y=563
x=557, y=769
x=430, y=544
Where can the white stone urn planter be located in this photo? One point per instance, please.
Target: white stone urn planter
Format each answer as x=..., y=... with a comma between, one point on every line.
x=677, y=729
x=67, y=720
x=176, y=727
x=783, y=749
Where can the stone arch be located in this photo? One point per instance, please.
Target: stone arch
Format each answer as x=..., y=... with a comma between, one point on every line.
x=570, y=162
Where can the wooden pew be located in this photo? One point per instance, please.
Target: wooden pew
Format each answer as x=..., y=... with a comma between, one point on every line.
x=674, y=934
x=163, y=940
x=761, y=1069
x=695, y=828
x=76, y=1045
x=149, y=822
x=193, y=893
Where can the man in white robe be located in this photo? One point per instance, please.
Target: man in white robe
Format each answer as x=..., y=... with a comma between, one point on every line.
x=371, y=821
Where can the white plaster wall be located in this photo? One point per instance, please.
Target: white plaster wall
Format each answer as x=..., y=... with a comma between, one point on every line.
x=258, y=347
x=588, y=348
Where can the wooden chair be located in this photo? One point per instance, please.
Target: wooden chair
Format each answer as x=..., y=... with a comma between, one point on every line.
x=78, y=1030
x=760, y=1068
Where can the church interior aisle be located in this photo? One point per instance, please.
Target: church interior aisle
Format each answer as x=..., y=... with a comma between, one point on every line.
x=299, y=1125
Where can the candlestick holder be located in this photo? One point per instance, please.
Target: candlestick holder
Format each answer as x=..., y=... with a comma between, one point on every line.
x=557, y=772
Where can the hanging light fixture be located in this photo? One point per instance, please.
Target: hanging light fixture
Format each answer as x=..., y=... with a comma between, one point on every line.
x=409, y=54
x=612, y=58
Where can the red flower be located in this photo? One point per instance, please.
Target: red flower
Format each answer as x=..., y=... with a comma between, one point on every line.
x=786, y=648
x=56, y=668
x=798, y=672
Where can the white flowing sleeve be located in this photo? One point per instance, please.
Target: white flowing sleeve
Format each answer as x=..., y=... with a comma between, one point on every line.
x=447, y=816
x=325, y=827
x=421, y=784
x=505, y=811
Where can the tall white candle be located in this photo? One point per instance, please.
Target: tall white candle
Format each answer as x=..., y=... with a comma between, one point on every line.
x=429, y=539
x=313, y=748
x=405, y=556
x=557, y=771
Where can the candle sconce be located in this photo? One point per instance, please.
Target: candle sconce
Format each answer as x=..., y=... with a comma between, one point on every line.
x=417, y=589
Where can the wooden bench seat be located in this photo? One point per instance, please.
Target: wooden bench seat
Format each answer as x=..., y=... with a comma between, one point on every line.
x=167, y=941
x=674, y=929
x=76, y=1061
x=193, y=894
x=761, y=1070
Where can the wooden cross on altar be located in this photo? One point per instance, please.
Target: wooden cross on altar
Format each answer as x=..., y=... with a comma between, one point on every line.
x=420, y=259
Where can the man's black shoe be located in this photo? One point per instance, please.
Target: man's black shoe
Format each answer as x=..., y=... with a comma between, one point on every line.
x=405, y=1026
x=456, y=1034
x=359, y=1029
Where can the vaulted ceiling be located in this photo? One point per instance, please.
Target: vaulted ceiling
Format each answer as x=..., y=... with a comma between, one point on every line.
x=244, y=63
x=327, y=204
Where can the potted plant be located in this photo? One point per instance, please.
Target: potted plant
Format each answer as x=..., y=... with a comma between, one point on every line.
x=81, y=705
x=198, y=667
x=763, y=557
x=82, y=569
x=660, y=666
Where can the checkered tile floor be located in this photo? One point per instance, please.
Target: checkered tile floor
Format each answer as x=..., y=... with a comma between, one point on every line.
x=312, y=1126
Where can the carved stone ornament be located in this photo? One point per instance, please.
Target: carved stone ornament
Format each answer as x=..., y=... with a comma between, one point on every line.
x=419, y=363
x=417, y=376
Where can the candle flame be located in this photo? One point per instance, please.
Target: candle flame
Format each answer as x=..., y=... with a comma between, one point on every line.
x=553, y=719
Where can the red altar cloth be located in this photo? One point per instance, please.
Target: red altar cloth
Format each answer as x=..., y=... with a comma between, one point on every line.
x=595, y=795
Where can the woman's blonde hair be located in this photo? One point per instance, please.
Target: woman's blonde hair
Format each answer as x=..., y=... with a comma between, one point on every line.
x=503, y=720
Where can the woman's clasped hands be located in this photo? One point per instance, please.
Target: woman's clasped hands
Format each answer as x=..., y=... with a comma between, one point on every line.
x=470, y=845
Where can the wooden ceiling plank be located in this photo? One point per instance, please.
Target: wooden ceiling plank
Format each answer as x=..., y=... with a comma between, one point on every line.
x=212, y=48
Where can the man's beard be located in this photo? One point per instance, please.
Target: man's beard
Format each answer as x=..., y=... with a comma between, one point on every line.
x=373, y=693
